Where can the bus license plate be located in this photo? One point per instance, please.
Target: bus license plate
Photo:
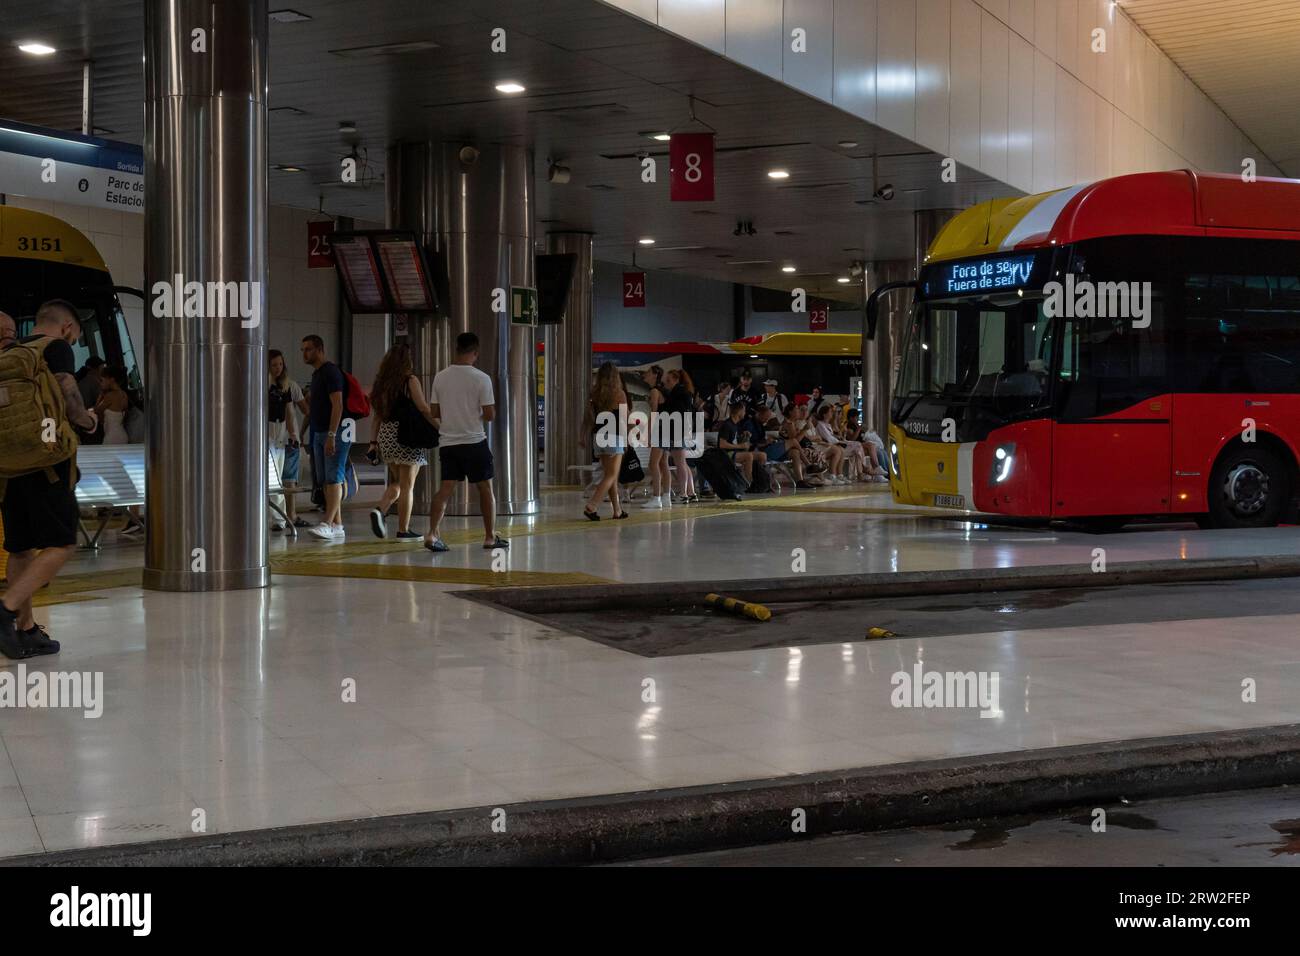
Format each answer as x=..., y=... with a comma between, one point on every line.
x=950, y=501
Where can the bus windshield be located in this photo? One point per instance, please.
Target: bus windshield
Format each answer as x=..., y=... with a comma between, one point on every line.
x=985, y=359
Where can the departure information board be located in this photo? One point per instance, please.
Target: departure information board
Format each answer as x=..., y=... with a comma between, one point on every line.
x=384, y=272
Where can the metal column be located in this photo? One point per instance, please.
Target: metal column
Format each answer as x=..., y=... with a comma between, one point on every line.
x=878, y=354
x=880, y=357
x=205, y=221
x=568, y=362
x=474, y=207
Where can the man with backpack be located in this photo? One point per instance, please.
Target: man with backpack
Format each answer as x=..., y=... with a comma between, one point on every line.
x=39, y=405
x=8, y=331
x=336, y=403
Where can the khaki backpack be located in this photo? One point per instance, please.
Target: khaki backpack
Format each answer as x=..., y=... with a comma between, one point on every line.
x=35, y=434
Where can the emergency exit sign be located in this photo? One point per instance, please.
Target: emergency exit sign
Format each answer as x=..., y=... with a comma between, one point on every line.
x=523, y=305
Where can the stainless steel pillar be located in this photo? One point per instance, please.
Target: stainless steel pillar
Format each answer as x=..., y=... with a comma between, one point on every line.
x=205, y=209
x=880, y=357
x=878, y=354
x=411, y=195
x=568, y=362
x=474, y=206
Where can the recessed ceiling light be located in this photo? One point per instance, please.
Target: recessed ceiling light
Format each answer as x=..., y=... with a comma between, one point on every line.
x=347, y=126
x=787, y=268
x=847, y=143
x=843, y=280
x=662, y=137
x=36, y=49
x=646, y=241
x=287, y=169
x=778, y=174
x=510, y=86
x=753, y=355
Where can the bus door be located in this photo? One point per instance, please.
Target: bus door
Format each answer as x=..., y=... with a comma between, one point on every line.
x=1111, y=440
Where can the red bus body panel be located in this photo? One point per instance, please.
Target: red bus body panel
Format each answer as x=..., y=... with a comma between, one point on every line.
x=1115, y=464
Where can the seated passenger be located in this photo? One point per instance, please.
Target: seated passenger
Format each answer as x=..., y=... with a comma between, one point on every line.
x=735, y=438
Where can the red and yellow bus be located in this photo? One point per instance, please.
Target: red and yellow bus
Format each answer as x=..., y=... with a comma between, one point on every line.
x=1125, y=348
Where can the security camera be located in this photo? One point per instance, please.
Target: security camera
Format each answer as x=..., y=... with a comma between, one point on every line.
x=556, y=173
x=885, y=192
x=468, y=155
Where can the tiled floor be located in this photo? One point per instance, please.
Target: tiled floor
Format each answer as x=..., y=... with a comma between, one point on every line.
x=228, y=710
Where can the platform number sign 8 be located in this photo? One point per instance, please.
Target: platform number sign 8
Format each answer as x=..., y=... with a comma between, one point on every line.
x=690, y=158
x=634, y=290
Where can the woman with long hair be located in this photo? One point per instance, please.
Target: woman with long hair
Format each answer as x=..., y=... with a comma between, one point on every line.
x=397, y=392
x=855, y=455
x=681, y=401
x=606, y=397
x=660, y=476
x=286, y=420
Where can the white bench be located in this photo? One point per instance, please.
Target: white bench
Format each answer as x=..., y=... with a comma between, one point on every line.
x=112, y=479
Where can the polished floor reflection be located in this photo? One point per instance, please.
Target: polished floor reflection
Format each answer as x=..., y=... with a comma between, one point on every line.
x=328, y=697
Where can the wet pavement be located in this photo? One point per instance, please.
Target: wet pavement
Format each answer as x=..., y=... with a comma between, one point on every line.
x=1241, y=828
x=704, y=630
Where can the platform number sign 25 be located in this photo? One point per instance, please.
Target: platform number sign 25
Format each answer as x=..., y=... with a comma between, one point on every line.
x=320, y=251
x=690, y=160
x=634, y=290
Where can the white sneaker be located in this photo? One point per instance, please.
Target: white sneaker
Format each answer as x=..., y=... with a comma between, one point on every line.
x=338, y=530
x=654, y=501
x=322, y=530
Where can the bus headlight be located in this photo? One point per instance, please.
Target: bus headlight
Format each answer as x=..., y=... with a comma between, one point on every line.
x=1004, y=459
x=893, y=458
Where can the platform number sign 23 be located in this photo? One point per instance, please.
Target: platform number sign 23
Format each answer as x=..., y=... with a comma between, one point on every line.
x=634, y=290
x=690, y=160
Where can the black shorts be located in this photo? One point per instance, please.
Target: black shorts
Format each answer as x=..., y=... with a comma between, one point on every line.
x=466, y=462
x=39, y=513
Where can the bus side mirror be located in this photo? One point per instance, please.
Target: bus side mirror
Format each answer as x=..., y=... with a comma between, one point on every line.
x=873, y=303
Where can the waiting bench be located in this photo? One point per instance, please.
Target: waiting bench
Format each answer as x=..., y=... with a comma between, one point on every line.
x=112, y=480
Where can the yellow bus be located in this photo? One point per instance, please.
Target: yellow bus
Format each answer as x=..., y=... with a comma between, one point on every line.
x=44, y=258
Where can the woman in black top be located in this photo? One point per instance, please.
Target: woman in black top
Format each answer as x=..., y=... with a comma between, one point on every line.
x=660, y=477
x=396, y=390
x=681, y=403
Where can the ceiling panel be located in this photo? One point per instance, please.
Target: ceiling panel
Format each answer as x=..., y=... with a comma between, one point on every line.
x=597, y=80
x=1245, y=55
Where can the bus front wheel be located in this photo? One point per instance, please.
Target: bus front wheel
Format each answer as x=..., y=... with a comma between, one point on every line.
x=1248, y=489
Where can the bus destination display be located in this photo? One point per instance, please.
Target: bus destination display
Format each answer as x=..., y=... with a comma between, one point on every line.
x=988, y=274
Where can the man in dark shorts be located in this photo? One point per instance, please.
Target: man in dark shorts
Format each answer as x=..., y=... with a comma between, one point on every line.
x=40, y=516
x=461, y=398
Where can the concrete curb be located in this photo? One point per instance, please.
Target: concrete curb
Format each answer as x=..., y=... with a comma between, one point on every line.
x=662, y=822
x=670, y=594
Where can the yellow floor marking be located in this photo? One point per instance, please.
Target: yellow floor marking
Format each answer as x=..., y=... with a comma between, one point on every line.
x=304, y=558
x=436, y=575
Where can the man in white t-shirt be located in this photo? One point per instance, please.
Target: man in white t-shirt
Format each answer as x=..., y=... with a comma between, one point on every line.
x=461, y=398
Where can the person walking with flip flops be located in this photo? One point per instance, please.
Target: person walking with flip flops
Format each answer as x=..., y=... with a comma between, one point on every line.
x=462, y=398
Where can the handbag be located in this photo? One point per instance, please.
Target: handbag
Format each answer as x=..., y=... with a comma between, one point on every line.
x=413, y=429
x=630, y=471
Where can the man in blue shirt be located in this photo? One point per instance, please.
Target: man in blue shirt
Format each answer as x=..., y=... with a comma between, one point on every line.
x=331, y=436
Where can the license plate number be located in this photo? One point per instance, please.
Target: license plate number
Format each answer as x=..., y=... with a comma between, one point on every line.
x=950, y=501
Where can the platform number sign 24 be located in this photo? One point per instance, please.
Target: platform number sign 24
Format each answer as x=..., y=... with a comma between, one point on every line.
x=634, y=290
x=690, y=160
